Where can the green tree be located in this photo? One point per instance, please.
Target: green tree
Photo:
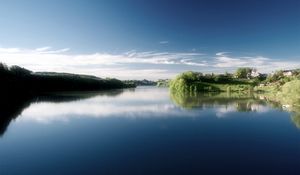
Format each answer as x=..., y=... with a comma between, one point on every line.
x=243, y=72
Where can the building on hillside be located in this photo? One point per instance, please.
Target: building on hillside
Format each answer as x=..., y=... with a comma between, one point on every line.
x=287, y=73
x=254, y=73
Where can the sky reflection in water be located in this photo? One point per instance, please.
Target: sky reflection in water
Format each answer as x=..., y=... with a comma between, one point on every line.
x=143, y=102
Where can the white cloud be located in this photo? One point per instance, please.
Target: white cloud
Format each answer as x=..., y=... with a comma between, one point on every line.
x=43, y=49
x=133, y=64
x=9, y=50
x=223, y=60
x=221, y=53
x=99, y=64
x=263, y=64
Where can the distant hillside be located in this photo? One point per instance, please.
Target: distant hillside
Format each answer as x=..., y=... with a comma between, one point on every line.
x=141, y=82
x=18, y=79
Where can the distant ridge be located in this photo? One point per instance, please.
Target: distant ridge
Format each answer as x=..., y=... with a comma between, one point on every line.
x=21, y=80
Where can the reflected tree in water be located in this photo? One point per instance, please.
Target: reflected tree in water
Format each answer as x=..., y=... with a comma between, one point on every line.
x=296, y=119
x=12, y=104
x=242, y=102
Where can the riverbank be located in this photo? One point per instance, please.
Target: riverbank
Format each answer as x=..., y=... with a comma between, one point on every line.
x=244, y=81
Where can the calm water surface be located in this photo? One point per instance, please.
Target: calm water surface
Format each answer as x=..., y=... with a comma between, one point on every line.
x=148, y=131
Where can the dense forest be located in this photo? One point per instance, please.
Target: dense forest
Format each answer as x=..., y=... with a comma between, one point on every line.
x=141, y=82
x=19, y=80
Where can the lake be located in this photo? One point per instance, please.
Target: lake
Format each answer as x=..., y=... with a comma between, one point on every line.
x=148, y=130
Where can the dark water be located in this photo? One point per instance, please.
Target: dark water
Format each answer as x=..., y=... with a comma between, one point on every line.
x=147, y=131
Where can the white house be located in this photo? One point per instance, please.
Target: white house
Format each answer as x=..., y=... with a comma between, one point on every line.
x=254, y=73
x=287, y=73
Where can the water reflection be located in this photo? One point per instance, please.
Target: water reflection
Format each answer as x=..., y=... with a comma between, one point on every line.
x=145, y=102
x=93, y=133
x=14, y=104
x=142, y=103
x=11, y=107
x=240, y=102
x=286, y=102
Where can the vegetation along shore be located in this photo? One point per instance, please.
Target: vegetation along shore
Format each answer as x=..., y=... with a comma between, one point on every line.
x=19, y=80
x=243, y=80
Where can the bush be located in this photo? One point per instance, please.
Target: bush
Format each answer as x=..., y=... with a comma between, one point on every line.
x=243, y=72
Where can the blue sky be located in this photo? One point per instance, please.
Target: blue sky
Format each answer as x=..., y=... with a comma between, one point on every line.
x=149, y=39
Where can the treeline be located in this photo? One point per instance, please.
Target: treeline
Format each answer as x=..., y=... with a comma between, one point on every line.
x=241, y=80
x=141, y=82
x=199, y=82
x=18, y=79
x=163, y=83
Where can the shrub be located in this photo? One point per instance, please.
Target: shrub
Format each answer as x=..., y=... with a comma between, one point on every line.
x=243, y=72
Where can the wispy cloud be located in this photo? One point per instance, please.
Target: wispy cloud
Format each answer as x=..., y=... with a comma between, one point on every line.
x=263, y=64
x=221, y=53
x=40, y=50
x=224, y=60
x=99, y=64
x=164, y=42
x=134, y=64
